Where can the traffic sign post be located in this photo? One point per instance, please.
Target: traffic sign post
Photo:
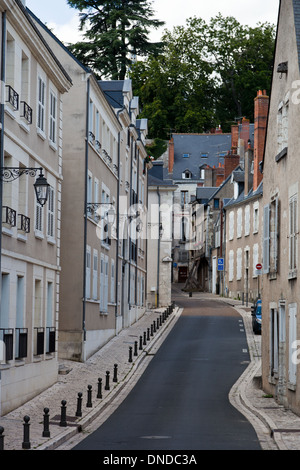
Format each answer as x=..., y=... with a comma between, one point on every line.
x=220, y=264
x=258, y=272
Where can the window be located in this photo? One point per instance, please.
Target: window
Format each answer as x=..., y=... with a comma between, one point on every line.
x=5, y=300
x=103, y=283
x=186, y=174
x=231, y=265
x=239, y=223
x=247, y=220
x=186, y=155
x=231, y=225
x=50, y=222
x=41, y=105
x=239, y=264
x=95, y=275
x=255, y=218
x=88, y=273
x=112, y=282
x=270, y=237
x=184, y=197
x=216, y=203
x=255, y=259
x=38, y=218
x=293, y=223
x=52, y=117
x=292, y=343
x=274, y=341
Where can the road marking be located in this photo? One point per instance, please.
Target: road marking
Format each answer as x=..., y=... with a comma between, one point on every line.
x=245, y=350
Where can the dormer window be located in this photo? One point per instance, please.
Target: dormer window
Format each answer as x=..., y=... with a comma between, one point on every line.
x=186, y=174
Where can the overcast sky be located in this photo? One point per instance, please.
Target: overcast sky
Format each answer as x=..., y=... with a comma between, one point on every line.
x=63, y=20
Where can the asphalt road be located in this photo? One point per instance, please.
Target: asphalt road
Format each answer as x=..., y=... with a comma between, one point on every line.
x=181, y=400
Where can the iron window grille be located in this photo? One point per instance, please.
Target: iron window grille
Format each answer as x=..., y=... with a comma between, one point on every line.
x=7, y=336
x=39, y=341
x=26, y=111
x=21, y=343
x=12, y=97
x=50, y=334
x=9, y=216
x=24, y=223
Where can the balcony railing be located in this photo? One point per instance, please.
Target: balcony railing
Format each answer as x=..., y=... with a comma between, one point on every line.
x=21, y=343
x=26, y=111
x=9, y=216
x=24, y=223
x=7, y=337
x=12, y=97
x=50, y=340
x=39, y=336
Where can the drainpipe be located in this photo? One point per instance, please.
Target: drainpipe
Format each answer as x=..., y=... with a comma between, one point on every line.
x=3, y=48
x=85, y=206
x=158, y=250
x=118, y=216
x=3, y=63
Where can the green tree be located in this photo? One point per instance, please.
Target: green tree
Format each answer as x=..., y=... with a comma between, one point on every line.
x=207, y=74
x=114, y=31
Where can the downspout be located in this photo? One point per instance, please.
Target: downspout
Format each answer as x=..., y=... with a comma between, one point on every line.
x=85, y=207
x=3, y=49
x=158, y=250
x=118, y=216
x=3, y=64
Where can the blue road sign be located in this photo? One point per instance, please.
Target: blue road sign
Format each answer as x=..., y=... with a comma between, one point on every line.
x=220, y=264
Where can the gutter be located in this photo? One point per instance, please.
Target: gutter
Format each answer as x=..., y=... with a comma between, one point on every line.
x=3, y=64
x=85, y=207
x=158, y=250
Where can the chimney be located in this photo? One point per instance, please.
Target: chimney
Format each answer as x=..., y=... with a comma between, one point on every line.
x=171, y=155
x=247, y=170
x=234, y=138
x=230, y=164
x=219, y=130
x=261, y=107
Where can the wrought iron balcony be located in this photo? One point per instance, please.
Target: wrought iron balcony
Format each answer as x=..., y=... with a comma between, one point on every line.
x=24, y=223
x=50, y=339
x=39, y=335
x=7, y=337
x=26, y=111
x=21, y=343
x=12, y=97
x=9, y=216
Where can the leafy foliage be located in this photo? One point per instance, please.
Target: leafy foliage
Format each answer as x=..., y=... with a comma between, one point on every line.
x=207, y=74
x=114, y=31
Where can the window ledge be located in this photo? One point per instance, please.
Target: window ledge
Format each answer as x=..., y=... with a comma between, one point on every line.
x=281, y=154
x=292, y=274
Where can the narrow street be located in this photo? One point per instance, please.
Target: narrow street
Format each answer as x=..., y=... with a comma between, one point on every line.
x=181, y=400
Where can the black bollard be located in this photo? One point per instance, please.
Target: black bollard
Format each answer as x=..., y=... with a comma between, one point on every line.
x=157, y=323
x=107, y=387
x=148, y=334
x=141, y=343
x=151, y=330
x=160, y=320
x=63, y=416
x=144, y=340
x=1, y=438
x=115, y=377
x=135, y=348
x=130, y=354
x=26, y=440
x=89, y=397
x=99, y=394
x=46, y=432
x=154, y=326
x=79, y=405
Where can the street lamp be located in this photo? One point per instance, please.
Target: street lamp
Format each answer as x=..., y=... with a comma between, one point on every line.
x=41, y=185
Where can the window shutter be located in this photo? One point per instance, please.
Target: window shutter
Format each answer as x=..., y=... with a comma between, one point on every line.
x=276, y=236
x=292, y=339
x=266, y=240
